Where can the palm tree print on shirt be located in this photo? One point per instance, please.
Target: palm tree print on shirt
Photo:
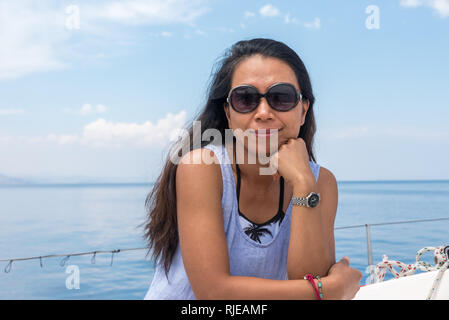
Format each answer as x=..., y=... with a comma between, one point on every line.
x=256, y=231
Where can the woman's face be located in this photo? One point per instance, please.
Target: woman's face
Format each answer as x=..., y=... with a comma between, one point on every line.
x=263, y=72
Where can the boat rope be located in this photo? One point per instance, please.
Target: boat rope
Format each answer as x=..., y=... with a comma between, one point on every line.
x=441, y=260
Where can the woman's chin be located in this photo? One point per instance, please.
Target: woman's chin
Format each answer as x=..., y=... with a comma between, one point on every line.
x=262, y=153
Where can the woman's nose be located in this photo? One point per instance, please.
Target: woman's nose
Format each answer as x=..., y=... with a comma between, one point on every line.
x=263, y=110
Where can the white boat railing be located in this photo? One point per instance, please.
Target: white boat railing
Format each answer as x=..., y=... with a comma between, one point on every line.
x=367, y=227
x=369, y=248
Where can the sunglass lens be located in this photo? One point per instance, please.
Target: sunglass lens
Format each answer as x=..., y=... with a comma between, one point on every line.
x=282, y=97
x=244, y=99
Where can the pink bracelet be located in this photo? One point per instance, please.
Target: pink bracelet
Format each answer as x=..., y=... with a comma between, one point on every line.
x=310, y=278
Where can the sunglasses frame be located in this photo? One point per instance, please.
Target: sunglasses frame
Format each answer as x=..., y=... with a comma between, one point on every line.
x=299, y=96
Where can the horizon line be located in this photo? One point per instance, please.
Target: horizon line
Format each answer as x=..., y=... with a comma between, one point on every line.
x=67, y=184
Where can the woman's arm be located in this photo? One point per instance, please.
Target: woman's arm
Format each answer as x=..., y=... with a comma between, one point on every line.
x=204, y=248
x=312, y=245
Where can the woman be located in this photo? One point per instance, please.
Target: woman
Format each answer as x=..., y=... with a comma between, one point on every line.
x=222, y=230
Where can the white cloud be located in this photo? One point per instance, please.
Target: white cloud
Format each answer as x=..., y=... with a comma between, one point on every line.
x=315, y=24
x=289, y=20
x=249, y=14
x=166, y=34
x=4, y=140
x=411, y=3
x=440, y=6
x=11, y=112
x=87, y=110
x=269, y=10
x=37, y=36
x=29, y=32
x=106, y=134
x=148, y=12
x=59, y=139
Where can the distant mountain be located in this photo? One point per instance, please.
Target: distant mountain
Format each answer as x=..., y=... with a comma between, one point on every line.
x=5, y=180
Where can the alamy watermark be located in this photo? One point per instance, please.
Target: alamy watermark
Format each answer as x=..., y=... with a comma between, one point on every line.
x=73, y=280
x=372, y=277
x=73, y=19
x=260, y=146
x=372, y=22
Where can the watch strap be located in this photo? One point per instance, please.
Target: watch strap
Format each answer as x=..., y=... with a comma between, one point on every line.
x=304, y=201
x=299, y=201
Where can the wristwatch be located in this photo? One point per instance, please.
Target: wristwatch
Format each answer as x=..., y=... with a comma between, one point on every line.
x=311, y=201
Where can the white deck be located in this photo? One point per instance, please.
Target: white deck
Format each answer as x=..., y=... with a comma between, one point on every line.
x=415, y=287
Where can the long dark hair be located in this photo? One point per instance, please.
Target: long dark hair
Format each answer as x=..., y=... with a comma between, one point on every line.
x=161, y=228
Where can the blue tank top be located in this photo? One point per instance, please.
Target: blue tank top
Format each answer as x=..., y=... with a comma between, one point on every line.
x=247, y=257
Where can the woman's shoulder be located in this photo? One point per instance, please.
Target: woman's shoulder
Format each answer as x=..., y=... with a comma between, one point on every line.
x=204, y=157
x=199, y=187
x=328, y=188
x=326, y=176
x=199, y=167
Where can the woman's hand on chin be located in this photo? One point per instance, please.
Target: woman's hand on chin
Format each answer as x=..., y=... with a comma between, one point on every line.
x=291, y=161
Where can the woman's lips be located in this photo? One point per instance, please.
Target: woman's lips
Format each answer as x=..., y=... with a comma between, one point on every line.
x=265, y=132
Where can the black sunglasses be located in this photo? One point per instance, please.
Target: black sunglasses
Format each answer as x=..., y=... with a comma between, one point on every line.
x=280, y=96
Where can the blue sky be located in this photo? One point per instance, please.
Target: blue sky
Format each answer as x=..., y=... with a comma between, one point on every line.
x=93, y=90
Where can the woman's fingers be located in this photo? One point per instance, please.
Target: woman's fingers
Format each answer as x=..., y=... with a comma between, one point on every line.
x=345, y=260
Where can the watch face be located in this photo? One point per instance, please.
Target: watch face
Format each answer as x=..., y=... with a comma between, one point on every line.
x=313, y=200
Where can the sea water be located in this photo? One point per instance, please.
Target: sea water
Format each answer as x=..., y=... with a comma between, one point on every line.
x=66, y=219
